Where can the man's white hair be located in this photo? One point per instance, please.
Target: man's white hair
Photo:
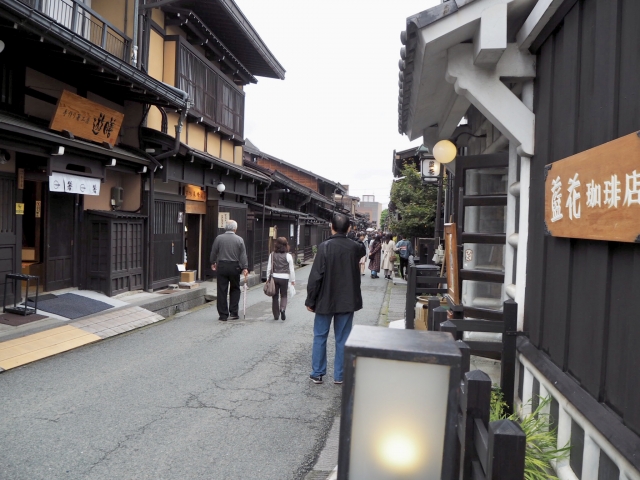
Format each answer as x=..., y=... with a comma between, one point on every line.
x=231, y=225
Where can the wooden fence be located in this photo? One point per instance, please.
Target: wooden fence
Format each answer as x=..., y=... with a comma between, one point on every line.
x=487, y=450
x=420, y=281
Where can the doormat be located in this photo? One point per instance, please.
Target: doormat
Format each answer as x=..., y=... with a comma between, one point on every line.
x=16, y=320
x=72, y=306
x=41, y=298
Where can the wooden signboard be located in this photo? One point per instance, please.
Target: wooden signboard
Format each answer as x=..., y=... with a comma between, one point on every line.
x=595, y=194
x=86, y=119
x=451, y=261
x=195, y=193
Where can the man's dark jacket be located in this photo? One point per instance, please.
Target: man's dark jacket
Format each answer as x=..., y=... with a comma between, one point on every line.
x=334, y=281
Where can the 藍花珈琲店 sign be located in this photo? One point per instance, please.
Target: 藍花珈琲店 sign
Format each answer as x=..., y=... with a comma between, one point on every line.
x=595, y=194
x=86, y=119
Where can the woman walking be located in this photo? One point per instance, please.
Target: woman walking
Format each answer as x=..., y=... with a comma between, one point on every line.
x=374, y=257
x=363, y=260
x=281, y=263
x=388, y=255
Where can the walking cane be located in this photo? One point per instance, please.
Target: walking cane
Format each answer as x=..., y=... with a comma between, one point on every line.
x=244, y=299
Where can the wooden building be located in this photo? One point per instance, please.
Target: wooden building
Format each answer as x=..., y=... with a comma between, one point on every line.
x=121, y=133
x=534, y=83
x=298, y=203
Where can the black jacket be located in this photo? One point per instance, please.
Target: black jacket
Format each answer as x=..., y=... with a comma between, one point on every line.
x=334, y=281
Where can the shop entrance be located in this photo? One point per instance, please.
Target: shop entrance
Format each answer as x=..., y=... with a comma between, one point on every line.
x=59, y=249
x=193, y=242
x=33, y=228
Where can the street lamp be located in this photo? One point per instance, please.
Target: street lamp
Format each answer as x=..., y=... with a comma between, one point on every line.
x=399, y=405
x=445, y=151
x=432, y=174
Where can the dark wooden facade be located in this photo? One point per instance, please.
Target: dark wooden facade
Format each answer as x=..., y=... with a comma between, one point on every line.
x=583, y=297
x=114, y=255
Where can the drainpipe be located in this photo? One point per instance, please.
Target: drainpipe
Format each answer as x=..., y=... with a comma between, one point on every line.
x=134, y=40
x=150, y=227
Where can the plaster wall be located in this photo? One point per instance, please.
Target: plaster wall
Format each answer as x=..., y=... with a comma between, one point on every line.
x=227, y=151
x=154, y=119
x=169, y=72
x=175, y=30
x=157, y=16
x=237, y=155
x=213, y=144
x=156, y=56
x=196, y=136
x=114, y=11
x=131, y=192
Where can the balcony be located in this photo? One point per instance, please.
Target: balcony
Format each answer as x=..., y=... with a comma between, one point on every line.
x=82, y=20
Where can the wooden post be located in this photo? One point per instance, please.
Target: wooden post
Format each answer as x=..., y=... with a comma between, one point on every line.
x=410, y=313
x=474, y=404
x=103, y=42
x=450, y=327
x=465, y=364
x=458, y=311
x=439, y=316
x=433, y=303
x=508, y=360
x=507, y=444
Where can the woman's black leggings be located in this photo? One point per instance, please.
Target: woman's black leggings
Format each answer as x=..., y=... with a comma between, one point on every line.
x=279, y=300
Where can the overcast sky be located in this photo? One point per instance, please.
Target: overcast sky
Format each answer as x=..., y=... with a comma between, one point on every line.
x=336, y=111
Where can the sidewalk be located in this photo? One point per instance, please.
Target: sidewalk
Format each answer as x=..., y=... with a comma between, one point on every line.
x=128, y=311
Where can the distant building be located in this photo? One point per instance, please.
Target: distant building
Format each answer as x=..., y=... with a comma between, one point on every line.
x=368, y=205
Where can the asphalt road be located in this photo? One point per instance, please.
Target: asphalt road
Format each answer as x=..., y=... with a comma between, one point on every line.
x=188, y=398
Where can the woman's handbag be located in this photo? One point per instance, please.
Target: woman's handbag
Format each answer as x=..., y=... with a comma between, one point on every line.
x=270, y=286
x=392, y=257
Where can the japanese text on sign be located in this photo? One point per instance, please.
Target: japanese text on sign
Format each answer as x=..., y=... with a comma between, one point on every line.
x=86, y=119
x=596, y=194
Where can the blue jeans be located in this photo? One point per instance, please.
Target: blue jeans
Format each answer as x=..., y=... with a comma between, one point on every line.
x=342, y=323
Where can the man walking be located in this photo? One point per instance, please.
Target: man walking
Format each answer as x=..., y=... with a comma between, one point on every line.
x=333, y=292
x=229, y=258
x=405, y=250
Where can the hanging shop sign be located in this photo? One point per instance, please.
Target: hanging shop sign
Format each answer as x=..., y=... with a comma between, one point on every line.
x=595, y=194
x=195, y=193
x=86, y=119
x=65, y=183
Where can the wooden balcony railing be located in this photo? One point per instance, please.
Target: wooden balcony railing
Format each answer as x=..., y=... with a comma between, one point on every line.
x=82, y=20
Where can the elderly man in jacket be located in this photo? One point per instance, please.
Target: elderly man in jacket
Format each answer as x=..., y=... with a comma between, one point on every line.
x=229, y=258
x=333, y=293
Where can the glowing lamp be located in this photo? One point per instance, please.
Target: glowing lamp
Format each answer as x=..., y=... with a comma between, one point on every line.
x=444, y=151
x=399, y=405
x=220, y=187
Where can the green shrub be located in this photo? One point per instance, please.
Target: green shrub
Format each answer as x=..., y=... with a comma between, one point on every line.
x=541, y=440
